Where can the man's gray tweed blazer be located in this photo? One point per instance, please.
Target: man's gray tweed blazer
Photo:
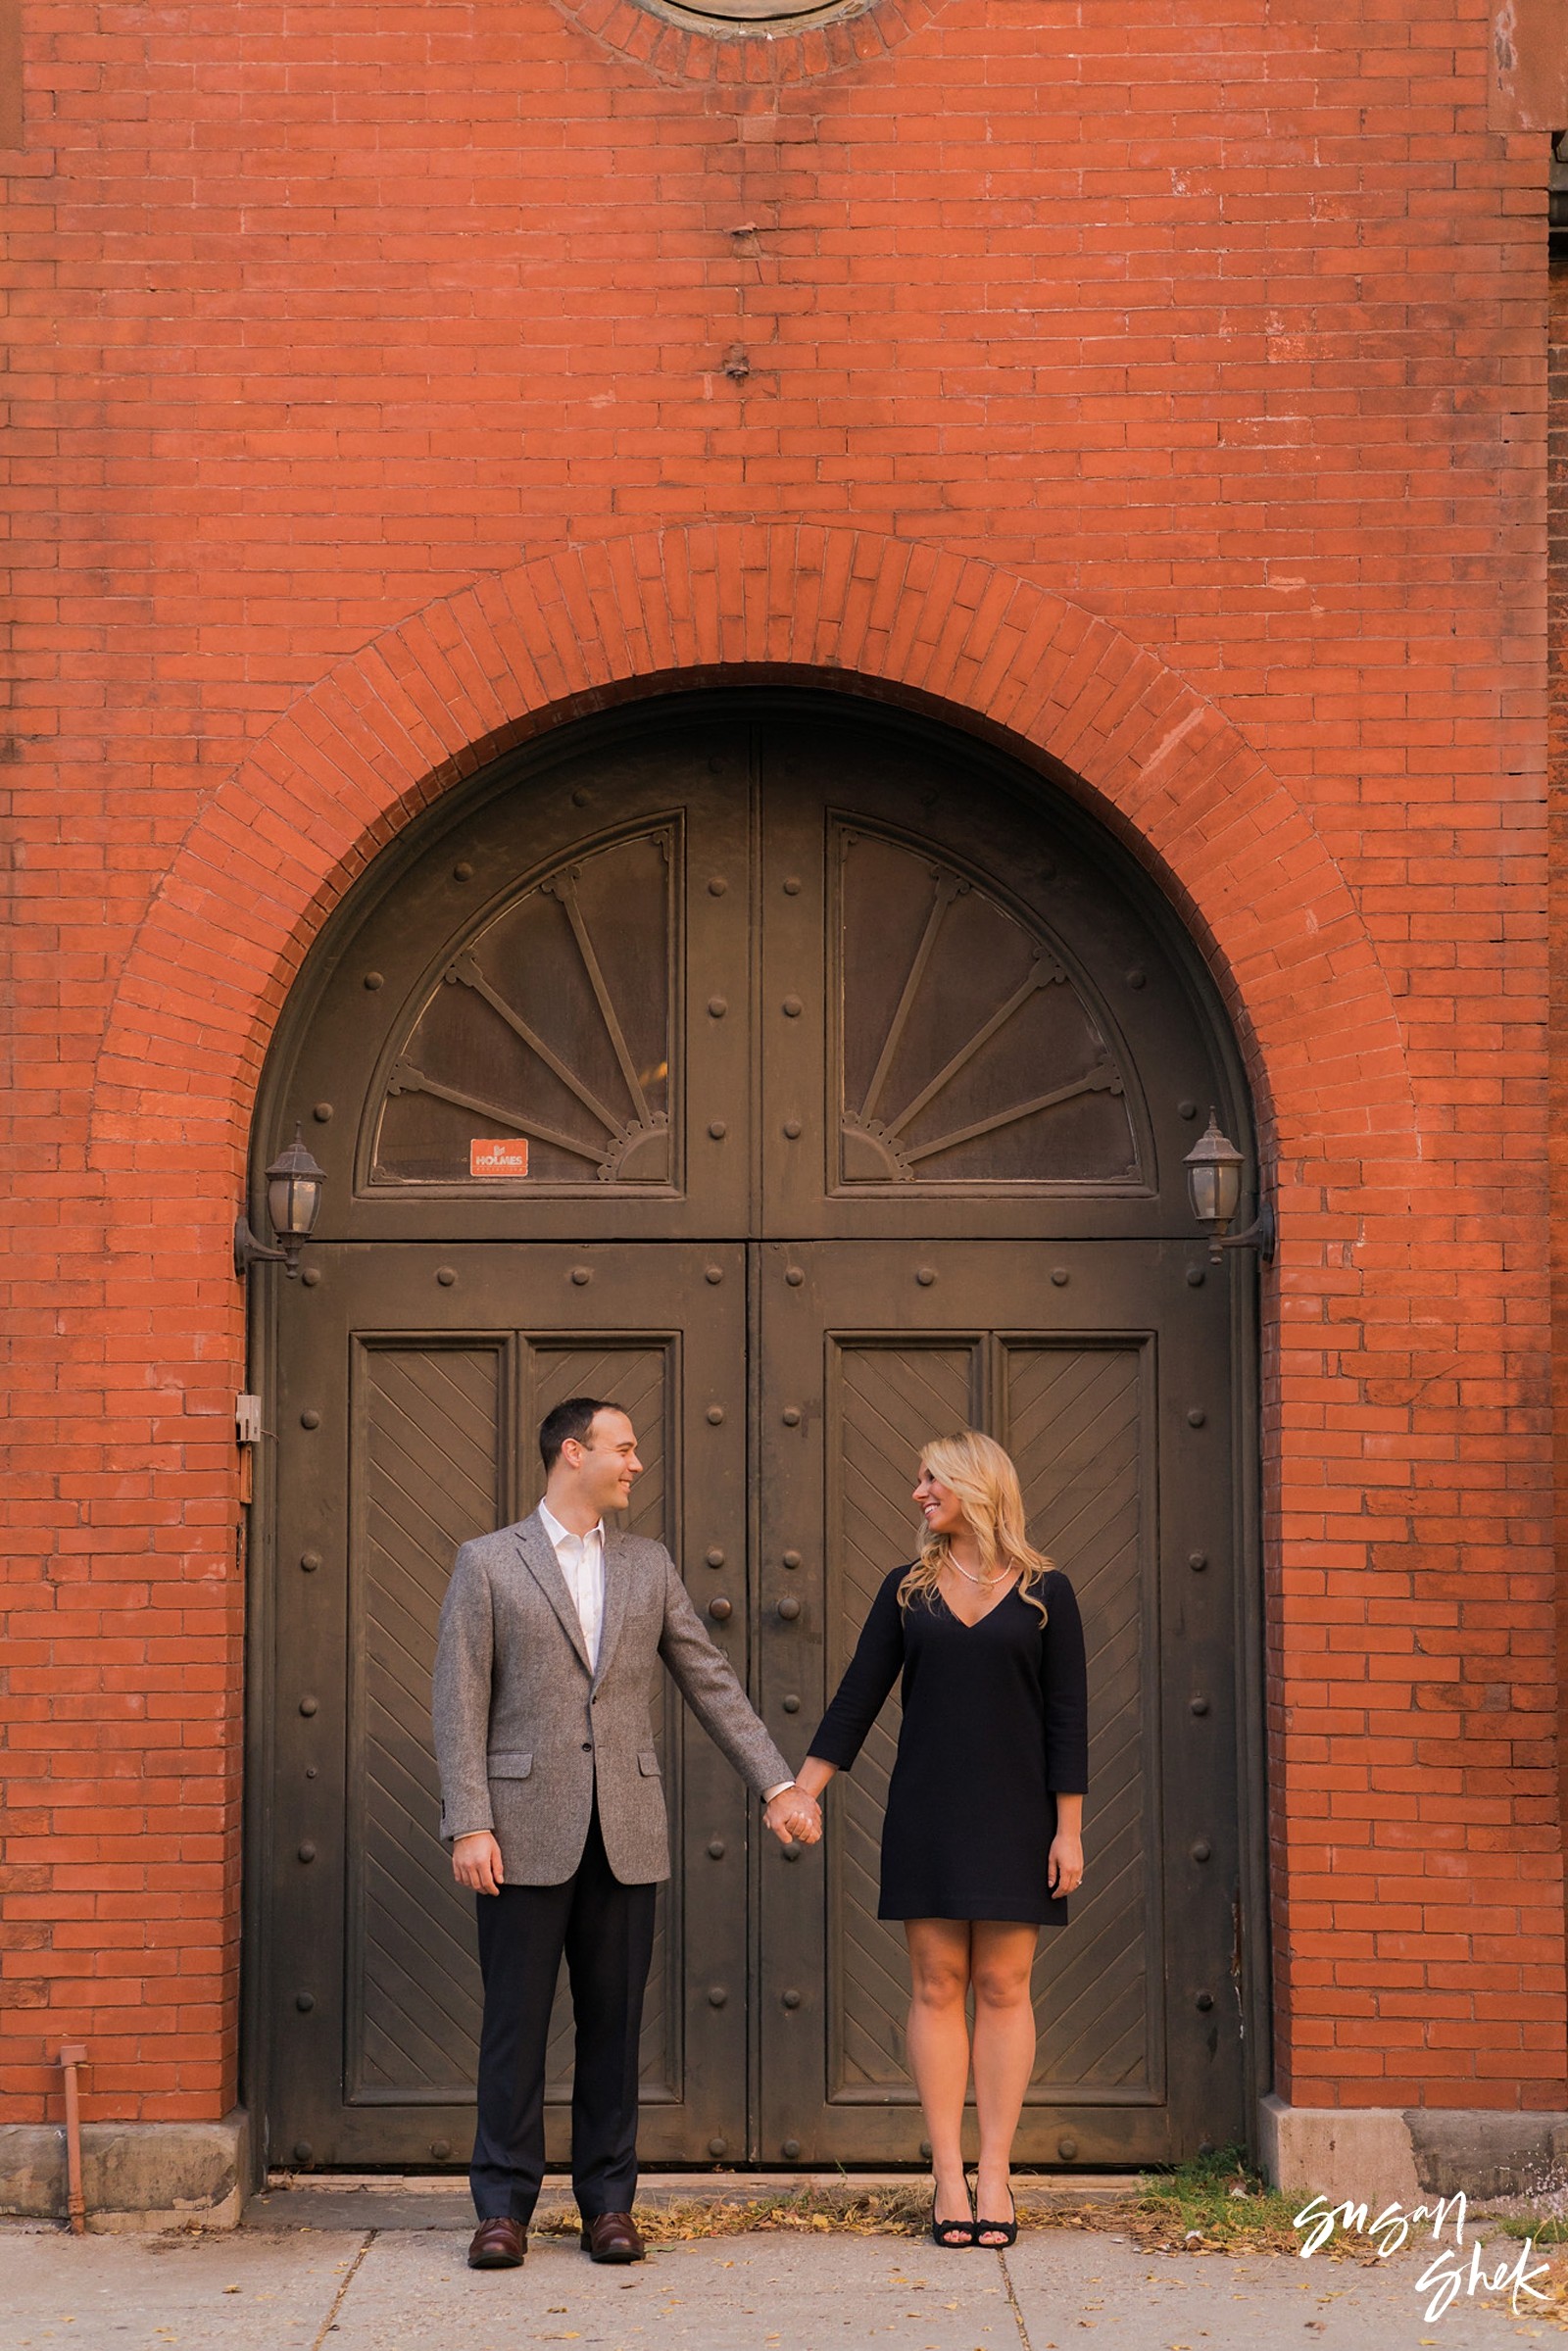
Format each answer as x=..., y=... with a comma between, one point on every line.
x=523, y=1730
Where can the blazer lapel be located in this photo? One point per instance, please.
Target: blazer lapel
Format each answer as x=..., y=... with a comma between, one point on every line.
x=616, y=1580
x=539, y=1555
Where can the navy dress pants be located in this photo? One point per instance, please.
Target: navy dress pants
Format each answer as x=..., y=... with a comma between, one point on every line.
x=606, y=1930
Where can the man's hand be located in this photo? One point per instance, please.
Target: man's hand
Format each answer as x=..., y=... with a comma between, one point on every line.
x=476, y=1863
x=794, y=1817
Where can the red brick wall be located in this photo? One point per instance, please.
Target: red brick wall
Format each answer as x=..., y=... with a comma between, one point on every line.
x=1165, y=384
x=1557, y=805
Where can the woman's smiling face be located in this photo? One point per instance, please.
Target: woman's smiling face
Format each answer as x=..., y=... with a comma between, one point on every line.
x=939, y=1505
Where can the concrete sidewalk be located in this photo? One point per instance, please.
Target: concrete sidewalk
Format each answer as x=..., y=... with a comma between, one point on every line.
x=290, y=2286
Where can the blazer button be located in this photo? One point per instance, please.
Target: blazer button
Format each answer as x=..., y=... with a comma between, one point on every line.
x=587, y=1747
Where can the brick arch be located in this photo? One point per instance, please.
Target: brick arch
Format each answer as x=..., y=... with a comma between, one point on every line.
x=436, y=698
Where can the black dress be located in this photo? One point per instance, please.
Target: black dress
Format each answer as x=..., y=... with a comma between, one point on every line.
x=994, y=1729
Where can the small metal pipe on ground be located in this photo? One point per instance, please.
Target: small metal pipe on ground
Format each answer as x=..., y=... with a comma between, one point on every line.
x=72, y=2055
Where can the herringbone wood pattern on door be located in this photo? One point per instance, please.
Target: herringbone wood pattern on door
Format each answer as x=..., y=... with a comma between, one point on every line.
x=1071, y=1421
x=1071, y=1417
x=636, y=1378
x=884, y=1405
x=428, y=1471
x=430, y=1466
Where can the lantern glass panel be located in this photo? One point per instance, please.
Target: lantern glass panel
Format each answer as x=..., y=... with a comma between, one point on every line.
x=291, y=1202
x=1203, y=1182
x=1227, y=1178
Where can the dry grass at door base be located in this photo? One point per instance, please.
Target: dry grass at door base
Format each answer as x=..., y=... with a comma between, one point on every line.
x=1207, y=2207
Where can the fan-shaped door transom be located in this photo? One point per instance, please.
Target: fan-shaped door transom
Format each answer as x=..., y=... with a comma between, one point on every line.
x=547, y=1053
x=828, y=978
x=551, y=1030
x=967, y=1054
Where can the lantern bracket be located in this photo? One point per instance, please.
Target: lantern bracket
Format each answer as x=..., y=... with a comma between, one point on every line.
x=249, y=1251
x=1260, y=1235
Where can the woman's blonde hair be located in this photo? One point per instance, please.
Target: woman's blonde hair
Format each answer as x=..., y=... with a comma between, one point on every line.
x=983, y=1478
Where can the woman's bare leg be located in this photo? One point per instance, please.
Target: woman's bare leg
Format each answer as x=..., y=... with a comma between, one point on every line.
x=939, y=2049
x=1002, y=1958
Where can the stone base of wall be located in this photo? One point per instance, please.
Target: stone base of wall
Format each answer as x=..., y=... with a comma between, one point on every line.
x=136, y=2175
x=1381, y=2155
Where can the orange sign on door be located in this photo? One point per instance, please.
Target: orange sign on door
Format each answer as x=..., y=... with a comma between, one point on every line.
x=508, y=1156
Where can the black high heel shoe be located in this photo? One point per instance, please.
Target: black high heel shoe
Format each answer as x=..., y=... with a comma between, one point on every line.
x=954, y=2236
x=1004, y=2232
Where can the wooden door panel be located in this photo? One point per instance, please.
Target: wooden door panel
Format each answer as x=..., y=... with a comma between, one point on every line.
x=882, y=1402
x=1076, y=1421
x=429, y=1461
x=430, y=1432
x=1095, y=1368
x=638, y=1379
x=376, y=1998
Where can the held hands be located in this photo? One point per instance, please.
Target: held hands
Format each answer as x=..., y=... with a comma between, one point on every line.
x=794, y=1817
x=1064, y=1871
x=476, y=1862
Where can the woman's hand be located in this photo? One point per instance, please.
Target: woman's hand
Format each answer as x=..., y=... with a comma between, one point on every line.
x=794, y=1817
x=1064, y=1871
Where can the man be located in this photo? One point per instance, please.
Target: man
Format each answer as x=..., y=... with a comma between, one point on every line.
x=547, y=1678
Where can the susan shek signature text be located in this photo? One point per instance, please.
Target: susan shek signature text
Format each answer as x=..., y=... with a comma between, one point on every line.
x=1449, y=2272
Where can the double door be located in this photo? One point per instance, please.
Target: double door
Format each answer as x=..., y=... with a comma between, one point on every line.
x=781, y=1394
x=809, y=1082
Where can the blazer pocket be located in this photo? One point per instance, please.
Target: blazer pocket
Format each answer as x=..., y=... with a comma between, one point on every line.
x=508, y=1767
x=648, y=1764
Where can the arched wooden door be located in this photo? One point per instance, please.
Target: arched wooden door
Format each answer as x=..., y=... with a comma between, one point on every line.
x=810, y=1082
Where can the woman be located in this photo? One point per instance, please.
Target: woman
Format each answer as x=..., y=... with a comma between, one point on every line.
x=981, y=1842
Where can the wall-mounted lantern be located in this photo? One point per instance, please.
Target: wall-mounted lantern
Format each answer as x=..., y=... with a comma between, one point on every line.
x=294, y=1188
x=1214, y=1188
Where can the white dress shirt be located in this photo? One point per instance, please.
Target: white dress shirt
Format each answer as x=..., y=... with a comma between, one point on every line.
x=581, y=1558
x=582, y=1563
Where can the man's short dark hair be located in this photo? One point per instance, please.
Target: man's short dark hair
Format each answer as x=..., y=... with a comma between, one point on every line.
x=574, y=1419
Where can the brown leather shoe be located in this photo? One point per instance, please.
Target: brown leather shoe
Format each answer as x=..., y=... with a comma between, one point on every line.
x=498, y=2245
x=613, y=2237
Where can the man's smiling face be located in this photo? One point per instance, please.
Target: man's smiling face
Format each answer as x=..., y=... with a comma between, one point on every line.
x=605, y=1465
